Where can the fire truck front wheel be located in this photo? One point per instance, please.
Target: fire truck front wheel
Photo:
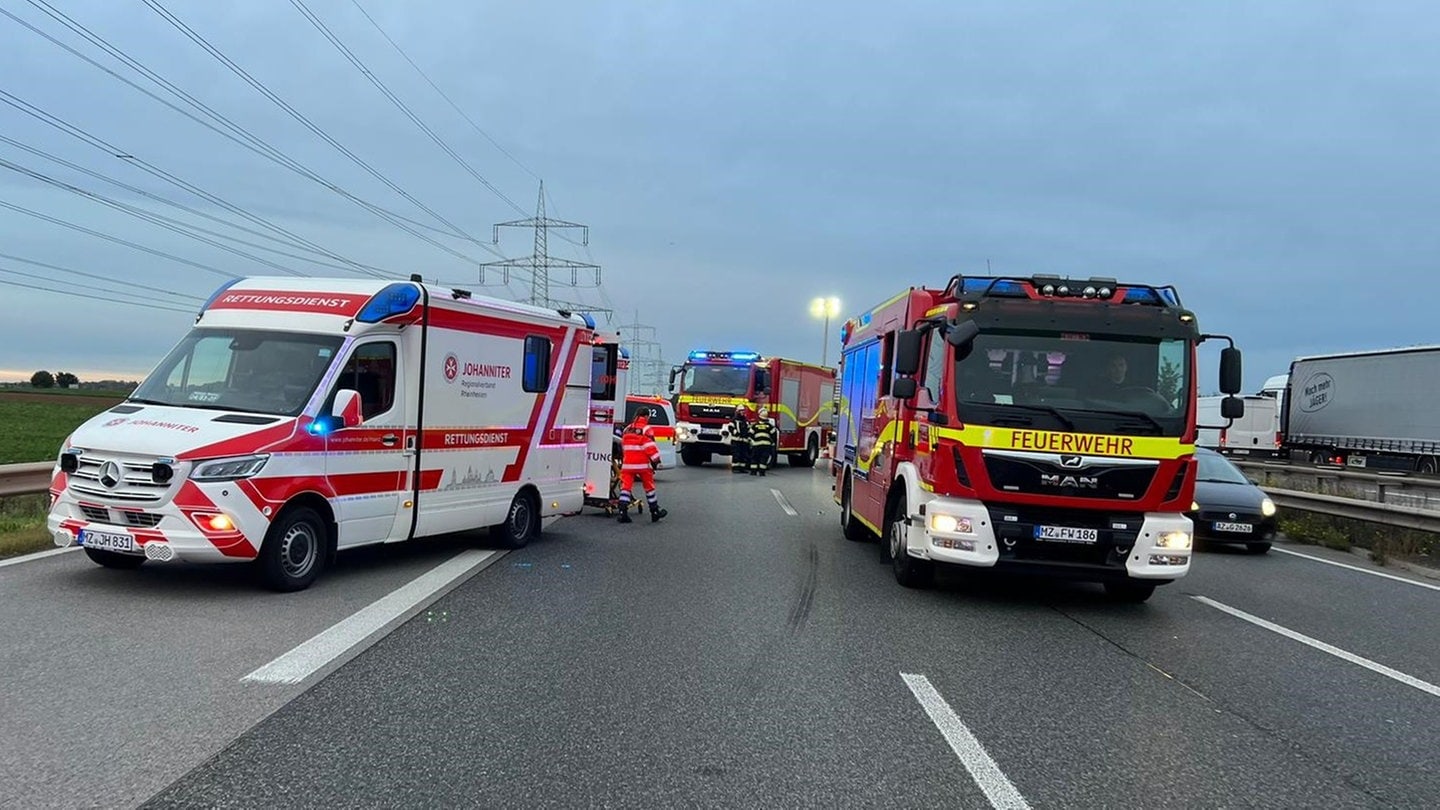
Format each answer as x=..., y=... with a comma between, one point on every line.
x=522, y=522
x=294, y=551
x=694, y=457
x=909, y=571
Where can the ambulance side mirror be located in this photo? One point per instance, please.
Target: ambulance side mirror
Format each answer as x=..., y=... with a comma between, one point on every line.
x=346, y=410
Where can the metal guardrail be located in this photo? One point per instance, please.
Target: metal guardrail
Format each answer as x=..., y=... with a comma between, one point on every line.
x=25, y=479
x=1402, y=501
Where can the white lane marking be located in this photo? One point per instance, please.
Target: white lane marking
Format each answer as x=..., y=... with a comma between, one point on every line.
x=784, y=504
x=997, y=787
x=39, y=555
x=333, y=642
x=1408, y=680
x=1357, y=568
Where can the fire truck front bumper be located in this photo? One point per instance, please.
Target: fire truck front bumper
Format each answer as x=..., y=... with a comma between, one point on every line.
x=1099, y=547
x=711, y=437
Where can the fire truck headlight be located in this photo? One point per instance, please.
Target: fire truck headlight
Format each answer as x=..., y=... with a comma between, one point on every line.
x=949, y=524
x=228, y=469
x=1174, y=540
x=1267, y=508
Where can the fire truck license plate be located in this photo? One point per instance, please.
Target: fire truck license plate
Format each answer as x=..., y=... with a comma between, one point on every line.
x=1067, y=534
x=1238, y=528
x=107, y=541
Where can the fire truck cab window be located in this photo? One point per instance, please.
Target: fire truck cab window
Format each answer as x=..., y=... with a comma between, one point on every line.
x=934, y=367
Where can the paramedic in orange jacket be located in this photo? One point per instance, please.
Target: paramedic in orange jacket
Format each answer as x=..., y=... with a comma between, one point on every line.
x=640, y=459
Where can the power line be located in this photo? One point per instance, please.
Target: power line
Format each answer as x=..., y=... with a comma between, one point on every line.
x=436, y=87
x=236, y=134
x=359, y=65
x=57, y=268
x=73, y=294
x=117, y=240
x=260, y=87
x=168, y=223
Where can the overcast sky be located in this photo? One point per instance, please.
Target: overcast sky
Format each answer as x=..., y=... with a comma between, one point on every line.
x=1276, y=161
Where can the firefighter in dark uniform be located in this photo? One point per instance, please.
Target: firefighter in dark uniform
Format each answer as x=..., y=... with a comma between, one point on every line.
x=739, y=442
x=762, y=443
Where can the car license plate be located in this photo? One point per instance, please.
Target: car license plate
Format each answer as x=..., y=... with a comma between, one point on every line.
x=1066, y=534
x=1237, y=528
x=107, y=541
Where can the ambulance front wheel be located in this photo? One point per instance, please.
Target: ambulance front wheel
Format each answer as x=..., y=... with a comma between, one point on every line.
x=522, y=522
x=294, y=551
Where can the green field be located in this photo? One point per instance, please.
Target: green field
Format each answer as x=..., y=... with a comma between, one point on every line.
x=34, y=431
x=22, y=525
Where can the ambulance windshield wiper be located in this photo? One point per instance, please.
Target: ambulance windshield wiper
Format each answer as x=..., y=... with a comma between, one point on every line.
x=1055, y=412
x=229, y=408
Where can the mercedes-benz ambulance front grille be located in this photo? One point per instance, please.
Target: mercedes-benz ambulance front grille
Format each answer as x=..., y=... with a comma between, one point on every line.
x=121, y=517
x=118, y=480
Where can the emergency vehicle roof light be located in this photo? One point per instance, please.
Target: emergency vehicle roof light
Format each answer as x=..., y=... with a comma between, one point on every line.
x=219, y=292
x=395, y=299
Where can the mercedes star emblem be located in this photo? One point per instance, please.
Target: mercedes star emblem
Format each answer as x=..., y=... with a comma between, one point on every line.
x=110, y=474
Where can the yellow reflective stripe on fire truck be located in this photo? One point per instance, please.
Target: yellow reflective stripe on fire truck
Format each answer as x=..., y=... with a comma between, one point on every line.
x=784, y=409
x=1049, y=441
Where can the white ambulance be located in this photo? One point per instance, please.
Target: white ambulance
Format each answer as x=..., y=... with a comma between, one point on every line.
x=300, y=417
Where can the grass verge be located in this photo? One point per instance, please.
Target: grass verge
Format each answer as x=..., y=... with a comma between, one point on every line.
x=22, y=525
x=34, y=431
x=1384, y=543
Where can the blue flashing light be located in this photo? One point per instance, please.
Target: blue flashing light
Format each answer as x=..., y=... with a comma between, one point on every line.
x=589, y=321
x=980, y=286
x=219, y=292
x=624, y=353
x=702, y=355
x=395, y=299
x=319, y=427
x=1140, y=295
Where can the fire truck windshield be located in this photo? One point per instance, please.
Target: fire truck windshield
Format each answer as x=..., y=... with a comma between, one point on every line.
x=1088, y=383
x=241, y=370
x=730, y=381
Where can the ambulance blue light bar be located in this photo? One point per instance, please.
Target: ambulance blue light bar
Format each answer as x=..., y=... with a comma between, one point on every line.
x=395, y=299
x=742, y=357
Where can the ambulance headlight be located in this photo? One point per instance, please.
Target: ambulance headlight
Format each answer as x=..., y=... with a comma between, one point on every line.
x=228, y=469
x=950, y=524
x=1174, y=540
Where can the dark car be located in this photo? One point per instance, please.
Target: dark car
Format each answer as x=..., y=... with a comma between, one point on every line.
x=1230, y=508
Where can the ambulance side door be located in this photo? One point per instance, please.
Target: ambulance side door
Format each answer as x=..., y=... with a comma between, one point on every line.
x=367, y=466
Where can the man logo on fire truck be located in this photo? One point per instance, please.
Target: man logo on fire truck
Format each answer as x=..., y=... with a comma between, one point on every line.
x=1030, y=424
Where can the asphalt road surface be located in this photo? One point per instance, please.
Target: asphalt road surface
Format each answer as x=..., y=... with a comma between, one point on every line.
x=739, y=653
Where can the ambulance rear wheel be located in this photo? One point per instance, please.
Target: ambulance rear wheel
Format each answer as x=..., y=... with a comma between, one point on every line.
x=522, y=522
x=294, y=551
x=114, y=559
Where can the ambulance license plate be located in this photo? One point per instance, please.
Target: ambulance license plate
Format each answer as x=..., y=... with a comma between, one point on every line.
x=1237, y=528
x=1067, y=534
x=107, y=541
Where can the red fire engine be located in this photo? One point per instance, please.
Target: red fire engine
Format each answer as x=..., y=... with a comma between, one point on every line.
x=712, y=385
x=1026, y=424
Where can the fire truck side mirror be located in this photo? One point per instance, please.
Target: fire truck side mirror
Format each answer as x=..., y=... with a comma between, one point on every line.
x=907, y=353
x=1230, y=371
x=904, y=387
x=962, y=333
x=1232, y=408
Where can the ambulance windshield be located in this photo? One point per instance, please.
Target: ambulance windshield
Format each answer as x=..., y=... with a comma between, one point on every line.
x=1079, y=382
x=245, y=370
x=729, y=381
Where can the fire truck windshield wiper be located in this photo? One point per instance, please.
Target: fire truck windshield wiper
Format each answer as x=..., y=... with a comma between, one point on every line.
x=1140, y=415
x=1055, y=412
